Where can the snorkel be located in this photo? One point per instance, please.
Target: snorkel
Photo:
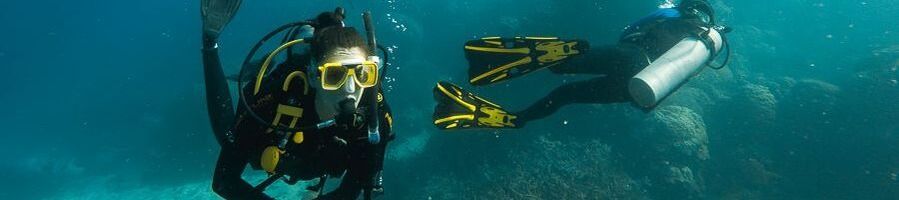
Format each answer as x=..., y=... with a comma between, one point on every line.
x=374, y=95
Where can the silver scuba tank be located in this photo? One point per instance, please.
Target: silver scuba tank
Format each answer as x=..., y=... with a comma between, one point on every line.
x=672, y=69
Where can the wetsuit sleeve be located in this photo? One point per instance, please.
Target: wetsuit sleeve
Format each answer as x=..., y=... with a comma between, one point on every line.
x=226, y=181
x=218, y=97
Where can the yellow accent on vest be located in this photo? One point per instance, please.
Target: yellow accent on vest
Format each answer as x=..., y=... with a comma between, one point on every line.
x=298, y=137
x=270, y=158
x=290, y=79
x=294, y=112
x=389, y=120
x=268, y=60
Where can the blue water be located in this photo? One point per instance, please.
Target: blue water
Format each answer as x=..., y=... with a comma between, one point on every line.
x=104, y=100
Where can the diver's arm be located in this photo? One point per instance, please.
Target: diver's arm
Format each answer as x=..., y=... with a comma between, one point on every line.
x=216, y=14
x=218, y=97
x=227, y=181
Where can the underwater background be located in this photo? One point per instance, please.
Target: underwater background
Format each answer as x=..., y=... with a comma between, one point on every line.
x=105, y=100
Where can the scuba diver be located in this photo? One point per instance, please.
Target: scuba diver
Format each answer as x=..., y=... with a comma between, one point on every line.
x=318, y=114
x=653, y=57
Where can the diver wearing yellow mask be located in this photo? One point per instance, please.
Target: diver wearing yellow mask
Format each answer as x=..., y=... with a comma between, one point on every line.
x=315, y=115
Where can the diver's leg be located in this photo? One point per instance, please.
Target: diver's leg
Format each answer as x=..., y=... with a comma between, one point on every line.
x=218, y=97
x=227, y=181
x=602, y=90
x=609, y=60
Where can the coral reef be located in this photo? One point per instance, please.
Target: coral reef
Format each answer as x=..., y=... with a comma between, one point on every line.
x=813, y=95
x=758, y=106
x=673, y=151
x=675, y=131
x=693, y=98
x=542, y=169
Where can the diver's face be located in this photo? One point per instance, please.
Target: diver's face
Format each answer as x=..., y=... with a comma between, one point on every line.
x=328, y=101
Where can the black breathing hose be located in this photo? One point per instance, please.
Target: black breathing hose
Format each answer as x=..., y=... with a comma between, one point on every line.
x=373, y=111
x=726, y=59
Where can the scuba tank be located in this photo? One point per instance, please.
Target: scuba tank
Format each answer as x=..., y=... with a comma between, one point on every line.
x=674, y=67
x=687, y=58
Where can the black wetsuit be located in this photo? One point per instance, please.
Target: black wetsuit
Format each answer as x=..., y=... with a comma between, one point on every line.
x=330, y=151
x=642, y=42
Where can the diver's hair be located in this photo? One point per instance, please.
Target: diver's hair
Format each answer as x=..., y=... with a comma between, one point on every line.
x=329, y=19
x=331, y=38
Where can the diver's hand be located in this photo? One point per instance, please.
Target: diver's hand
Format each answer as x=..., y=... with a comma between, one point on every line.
x=216, y=14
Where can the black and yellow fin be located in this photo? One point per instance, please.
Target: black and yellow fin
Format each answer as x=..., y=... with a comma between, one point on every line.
x=458, y=109
x=495, y=59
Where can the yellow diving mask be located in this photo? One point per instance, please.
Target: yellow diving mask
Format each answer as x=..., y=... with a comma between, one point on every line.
x=335, y=74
